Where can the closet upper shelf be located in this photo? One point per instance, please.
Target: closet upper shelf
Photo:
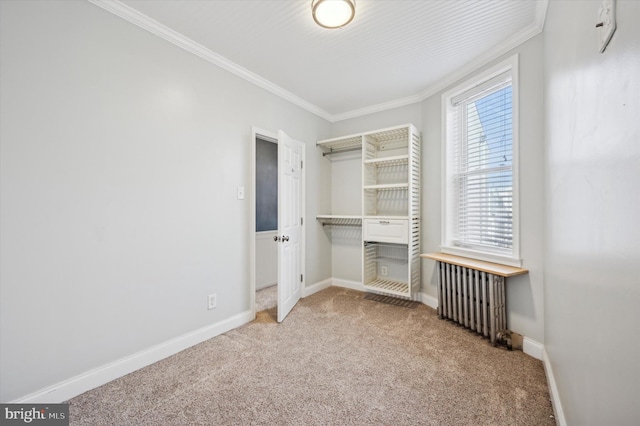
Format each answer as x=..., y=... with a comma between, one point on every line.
x=343, y=144
x=383, y=139
x=394, y=134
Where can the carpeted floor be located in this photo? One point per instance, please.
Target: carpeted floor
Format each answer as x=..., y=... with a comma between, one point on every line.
x=266, y=298
x=337, y=359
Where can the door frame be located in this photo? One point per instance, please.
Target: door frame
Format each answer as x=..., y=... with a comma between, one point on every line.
x=273, y=136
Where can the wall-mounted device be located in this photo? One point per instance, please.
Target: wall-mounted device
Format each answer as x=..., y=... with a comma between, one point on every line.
x=606, y=25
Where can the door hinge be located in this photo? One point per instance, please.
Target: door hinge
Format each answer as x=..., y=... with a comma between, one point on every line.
x=302, y=164
x=301, y=221
x=301, y=278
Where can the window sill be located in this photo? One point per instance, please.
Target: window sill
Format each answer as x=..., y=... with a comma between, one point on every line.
x=480, y=265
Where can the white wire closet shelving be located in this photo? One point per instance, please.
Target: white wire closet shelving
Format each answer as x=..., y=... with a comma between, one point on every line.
x=339, y=220
x=390, y=214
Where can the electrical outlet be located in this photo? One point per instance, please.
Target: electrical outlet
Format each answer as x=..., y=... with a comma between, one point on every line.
x=383, y=270
x=213, y=300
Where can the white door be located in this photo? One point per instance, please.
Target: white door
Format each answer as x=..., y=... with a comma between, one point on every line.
x=289, y=223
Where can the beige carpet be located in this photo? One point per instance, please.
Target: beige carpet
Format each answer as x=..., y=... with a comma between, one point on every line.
x=338, y=359
x=266, y=298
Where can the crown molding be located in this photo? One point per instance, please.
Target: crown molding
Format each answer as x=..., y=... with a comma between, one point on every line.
x=522, y=36
x=498, y=51
x=384, y=106
x=143, y=21
x=541, y=13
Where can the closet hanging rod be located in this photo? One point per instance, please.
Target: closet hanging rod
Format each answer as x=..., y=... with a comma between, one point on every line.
x=356, y=148
x=377, y=243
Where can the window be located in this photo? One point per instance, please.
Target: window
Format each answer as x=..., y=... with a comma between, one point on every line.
x=480, y=217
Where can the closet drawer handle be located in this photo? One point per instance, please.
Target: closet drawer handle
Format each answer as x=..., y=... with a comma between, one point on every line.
x=384, y=221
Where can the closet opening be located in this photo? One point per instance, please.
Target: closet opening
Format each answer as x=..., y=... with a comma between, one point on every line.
x=266, y=222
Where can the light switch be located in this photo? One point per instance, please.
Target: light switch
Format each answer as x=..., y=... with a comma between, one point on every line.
x=606, y=24
x=241, y=193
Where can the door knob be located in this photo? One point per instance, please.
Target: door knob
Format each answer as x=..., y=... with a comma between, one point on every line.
x=285, y=239
x=276, y=238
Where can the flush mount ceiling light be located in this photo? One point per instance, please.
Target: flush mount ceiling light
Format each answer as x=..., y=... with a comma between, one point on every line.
x=333, y=13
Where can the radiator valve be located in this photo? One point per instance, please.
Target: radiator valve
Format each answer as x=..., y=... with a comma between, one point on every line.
x=504, y=338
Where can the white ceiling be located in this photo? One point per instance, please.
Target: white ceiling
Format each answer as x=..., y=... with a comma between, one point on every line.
x=394, y=52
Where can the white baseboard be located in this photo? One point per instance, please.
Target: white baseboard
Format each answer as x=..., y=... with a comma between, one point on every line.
x=357, y=285
x=314, y=288
x=266, y=285
x=428, y=300
x=532, y=348
x=74, y=386
x=353, y=285
x=553, y=390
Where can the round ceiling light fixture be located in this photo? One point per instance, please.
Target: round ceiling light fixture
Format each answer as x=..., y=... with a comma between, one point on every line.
x=333, y=13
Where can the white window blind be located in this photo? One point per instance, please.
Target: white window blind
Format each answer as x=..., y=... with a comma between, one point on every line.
x=480, y=175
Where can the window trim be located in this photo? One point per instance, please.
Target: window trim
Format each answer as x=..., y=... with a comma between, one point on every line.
x=509, y=65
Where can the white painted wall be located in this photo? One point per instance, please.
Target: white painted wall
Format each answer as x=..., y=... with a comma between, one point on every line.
x=346, y=199
x=121, y=155
x=408, y=114
x=266, y=259
x=592, y=181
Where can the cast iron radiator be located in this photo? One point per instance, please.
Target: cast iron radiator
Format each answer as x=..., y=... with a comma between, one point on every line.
x=472, y=298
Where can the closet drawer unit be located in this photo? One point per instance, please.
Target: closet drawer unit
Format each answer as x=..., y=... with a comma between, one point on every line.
x=386, y=230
